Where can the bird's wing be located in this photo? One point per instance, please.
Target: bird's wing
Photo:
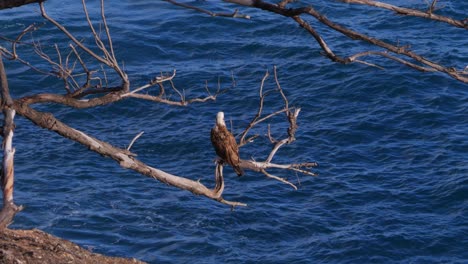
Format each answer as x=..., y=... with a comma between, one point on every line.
x=232, y=150
x=218, y=141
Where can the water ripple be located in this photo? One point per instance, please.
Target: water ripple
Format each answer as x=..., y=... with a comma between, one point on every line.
x=391, y=143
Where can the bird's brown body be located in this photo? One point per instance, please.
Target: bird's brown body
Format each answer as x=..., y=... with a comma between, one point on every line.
x=225, y=144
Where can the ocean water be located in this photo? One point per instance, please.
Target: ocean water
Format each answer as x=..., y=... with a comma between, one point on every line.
x=392, y=144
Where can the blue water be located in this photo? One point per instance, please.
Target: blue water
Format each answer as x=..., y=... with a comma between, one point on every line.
x=392, y=144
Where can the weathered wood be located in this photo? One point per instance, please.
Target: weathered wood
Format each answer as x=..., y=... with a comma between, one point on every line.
x=125, y=158
x=7, y=171
x=412, y=12
x=395, y=52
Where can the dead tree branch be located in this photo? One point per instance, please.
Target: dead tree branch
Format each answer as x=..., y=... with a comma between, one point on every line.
x=134, y=139
x=66, y=65
x=399, y=50
x=7, y=171
x=235, y=14
x=255, y=120
x=66, y=70
x=291, y=117
x=106, y=59
x=401, y=54
x=124, y=157
x=429, y=14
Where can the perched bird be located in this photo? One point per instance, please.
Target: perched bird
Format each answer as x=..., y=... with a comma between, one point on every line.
x=225, y=144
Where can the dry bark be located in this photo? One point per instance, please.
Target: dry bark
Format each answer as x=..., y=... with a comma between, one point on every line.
x=7, y=170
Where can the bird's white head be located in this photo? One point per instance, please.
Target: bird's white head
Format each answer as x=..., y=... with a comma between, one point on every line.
x=220, y=119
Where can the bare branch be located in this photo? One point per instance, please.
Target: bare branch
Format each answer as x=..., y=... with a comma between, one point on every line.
x=257, y=118
x=159, y=80
x=8, y=155
x=125, y=158
x=106, y=28
x=71, y=37
x=134, y=139
x=291, y=116
x=156, y=80
x=107, y=59
x=296, y=13
x=242, y=2
x=65, y=66
x=279, y=179
x=87, y=84
x=183, y=102
x=112, y=94
x=29, y=29
x=235, y=14
x=263, y=166
x=286, y=103
x=7, y=174
x=432, y=7
x=259, y=112
x=97, y=39
x=5, y=51
x=412, y=12
x=219, y=187
x=6, y=99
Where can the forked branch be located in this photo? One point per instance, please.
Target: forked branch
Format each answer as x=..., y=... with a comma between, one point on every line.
x=106, y=59
x=429, y=14
x=291, y=115
x=66, y=66
x=77, y=98
x=124, y=157
x=395, y=52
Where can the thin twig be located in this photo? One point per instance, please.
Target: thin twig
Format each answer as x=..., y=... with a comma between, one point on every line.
x=157, y=80
x=134, y=139
x=106, y=28
x=412, y=12
x=286, y=103
x=30, y=28
x=279, y=179
x=259, y=112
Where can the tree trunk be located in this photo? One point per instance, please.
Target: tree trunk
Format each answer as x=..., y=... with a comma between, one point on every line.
x=7, y=171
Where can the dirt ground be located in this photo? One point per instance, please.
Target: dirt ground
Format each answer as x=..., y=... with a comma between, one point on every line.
x=35, y=246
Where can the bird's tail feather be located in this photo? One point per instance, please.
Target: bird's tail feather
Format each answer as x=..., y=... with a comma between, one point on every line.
x=238, y=170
